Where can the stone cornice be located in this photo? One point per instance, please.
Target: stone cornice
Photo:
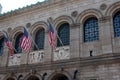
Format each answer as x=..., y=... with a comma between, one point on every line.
x=76, y=62
x=42, y=6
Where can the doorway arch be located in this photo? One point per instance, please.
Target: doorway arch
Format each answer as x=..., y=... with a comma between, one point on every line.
x=32, y=77
x=10, y=78
x=60, y=77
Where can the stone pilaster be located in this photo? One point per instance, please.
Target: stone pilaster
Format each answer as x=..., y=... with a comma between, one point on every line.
x=4, y=58
x=105, y=34
x=74, y=40
x=48, y=49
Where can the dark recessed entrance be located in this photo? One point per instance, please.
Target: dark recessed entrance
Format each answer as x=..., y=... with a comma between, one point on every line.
x=60, y=77
x=10, y=79
x=33, y=78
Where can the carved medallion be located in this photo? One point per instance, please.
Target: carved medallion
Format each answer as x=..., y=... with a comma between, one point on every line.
x=28, y=25
x=74, y=13
x=103, y=6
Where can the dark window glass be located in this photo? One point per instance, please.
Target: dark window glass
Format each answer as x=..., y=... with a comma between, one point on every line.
x=17, y=44
x=39, y=39
x=91, y=30
x=1, y=46
x=64, y=35
x=116, y=24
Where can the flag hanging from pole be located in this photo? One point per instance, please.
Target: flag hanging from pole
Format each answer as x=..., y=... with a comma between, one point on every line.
x=52, y=36
x=9, y=45
x=26, y=41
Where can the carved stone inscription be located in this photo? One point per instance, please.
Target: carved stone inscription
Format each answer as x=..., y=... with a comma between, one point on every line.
x=36, y=57
x=62, y=53
x=14, y=60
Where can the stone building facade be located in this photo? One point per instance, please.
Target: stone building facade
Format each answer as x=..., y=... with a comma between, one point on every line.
x=0, y=8
x=90, y=33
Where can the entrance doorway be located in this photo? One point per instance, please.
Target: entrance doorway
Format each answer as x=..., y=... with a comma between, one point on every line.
x=33, y=78
x=10, y=79
x=60, y=77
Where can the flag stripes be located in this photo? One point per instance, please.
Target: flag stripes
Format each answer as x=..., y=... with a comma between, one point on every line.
x=26, y=42
x=9, y=45
x=52, y=36
x=52, y=40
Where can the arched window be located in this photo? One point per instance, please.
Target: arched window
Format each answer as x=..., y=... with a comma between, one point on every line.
x=17, y=44
x=91, y=30
x=116, y=24
x=1, y=46
x=39, y=39
x=64, y=35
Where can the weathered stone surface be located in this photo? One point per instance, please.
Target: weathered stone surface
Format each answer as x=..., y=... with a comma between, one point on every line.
x=97, y=60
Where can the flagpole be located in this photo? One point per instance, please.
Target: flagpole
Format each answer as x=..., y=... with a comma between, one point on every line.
x=60, y=40
x=35, y=44
x=15, y=49
x=33, y=41
x=50, y=22
x=5, y=33
x=7, y=60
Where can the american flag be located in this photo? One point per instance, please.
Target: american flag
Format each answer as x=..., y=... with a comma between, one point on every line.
x=9, y=45
x=52, y=35
x=26, y=42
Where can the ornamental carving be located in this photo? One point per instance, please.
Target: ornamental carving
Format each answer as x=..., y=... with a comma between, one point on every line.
x=74, y=13
x=36, y=57
x=14, y=60
x=103, y=6
x=9, y=29
x=62, y=53
x=28, y=25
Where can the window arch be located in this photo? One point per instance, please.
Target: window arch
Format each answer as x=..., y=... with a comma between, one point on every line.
x=91, y=30
x=116, y=24
x=1, y=46
x=64, y=35
x=39, y=39
x=17, y=44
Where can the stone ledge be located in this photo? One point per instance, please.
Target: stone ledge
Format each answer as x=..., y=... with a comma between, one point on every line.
x=75, y=62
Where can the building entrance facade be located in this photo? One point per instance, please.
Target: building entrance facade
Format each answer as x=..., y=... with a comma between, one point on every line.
x=10, y=79
x=60, y=77
x=33, y=78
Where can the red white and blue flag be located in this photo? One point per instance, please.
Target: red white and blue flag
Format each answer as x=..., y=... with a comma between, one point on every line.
x=26, y=42
x=52, y=36
x=9, y=45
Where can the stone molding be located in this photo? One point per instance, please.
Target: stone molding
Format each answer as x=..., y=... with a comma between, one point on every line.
x=105, y=19
x=62, y=19
x=43, y=6
x=37, y=25
x=94, y=60
x=88, y=13
x=74, y=25
x=113, y=9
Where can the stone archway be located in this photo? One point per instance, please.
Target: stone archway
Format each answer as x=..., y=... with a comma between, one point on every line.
x=33, y=78
x=60, y=77
x=10, y=79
